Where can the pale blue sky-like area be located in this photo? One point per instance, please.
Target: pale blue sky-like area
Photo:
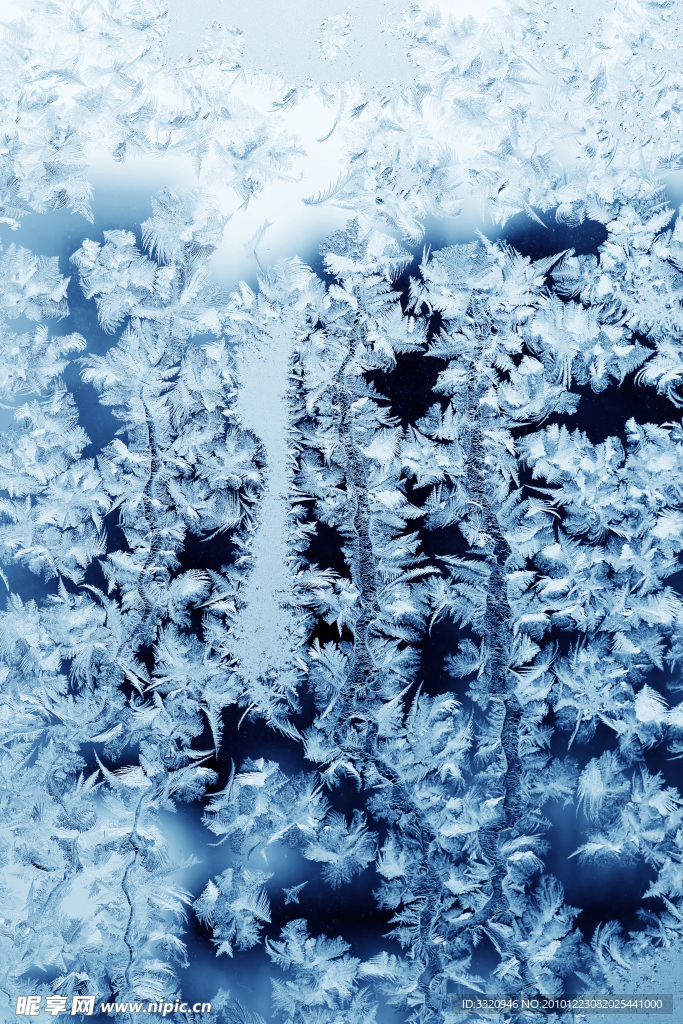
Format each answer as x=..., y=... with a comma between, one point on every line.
x=328, y=42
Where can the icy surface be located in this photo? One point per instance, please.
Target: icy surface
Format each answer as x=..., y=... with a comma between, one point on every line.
x=341, y=479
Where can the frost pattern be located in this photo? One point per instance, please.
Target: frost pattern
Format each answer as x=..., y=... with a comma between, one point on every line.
x=558, y=590
x=334, y=36
x=183, y=589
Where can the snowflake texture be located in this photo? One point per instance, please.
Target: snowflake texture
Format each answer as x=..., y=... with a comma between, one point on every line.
x=341, y=509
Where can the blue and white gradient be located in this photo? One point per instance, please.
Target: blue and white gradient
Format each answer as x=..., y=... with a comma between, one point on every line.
x=341, y=489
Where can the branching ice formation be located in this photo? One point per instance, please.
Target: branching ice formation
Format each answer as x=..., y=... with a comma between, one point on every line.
x=562, y=538
x=242, y=593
